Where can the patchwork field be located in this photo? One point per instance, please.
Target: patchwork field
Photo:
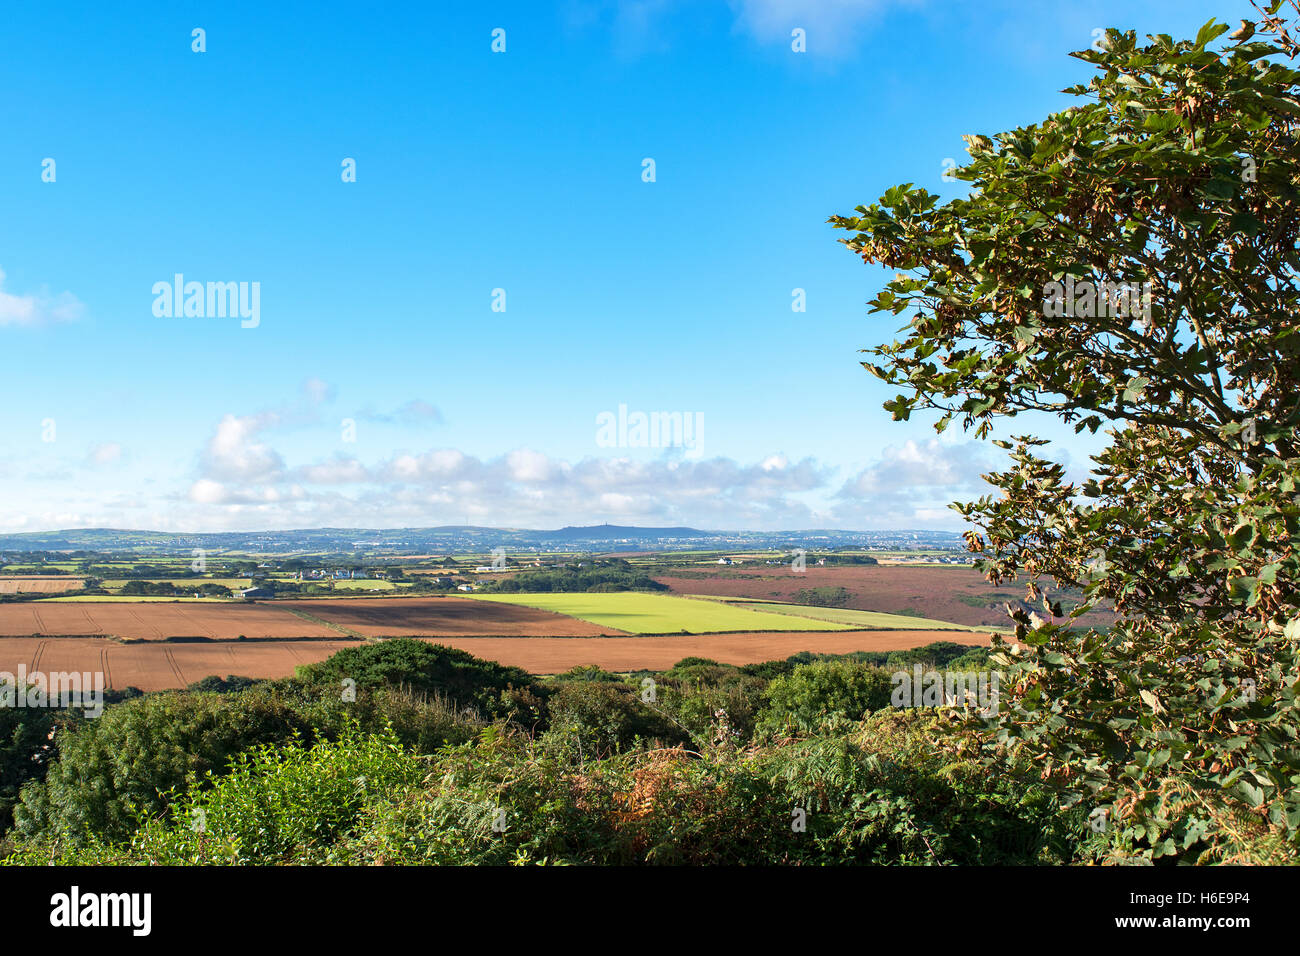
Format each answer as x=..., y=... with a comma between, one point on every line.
x=155, y=621
x=159, y=666
x=543, y=633
x=442, y=617
x=956, y=594
x=640, y=613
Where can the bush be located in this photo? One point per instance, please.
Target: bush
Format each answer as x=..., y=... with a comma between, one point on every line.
x=600, y=718
x=823, y=597
x=421, y=667
x=821, y=695
x=137, y=751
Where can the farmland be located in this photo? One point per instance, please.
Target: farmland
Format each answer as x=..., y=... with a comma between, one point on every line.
x=442, y=617
x=154, y=621
x=867, y=620
x=157, y=666
x=38, y=585
x=956, y=594
x=639, y=613
x=158, y=643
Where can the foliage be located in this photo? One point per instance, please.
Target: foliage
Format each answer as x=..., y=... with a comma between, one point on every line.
x=137, y=751
x=422, y=667
x=823, y=596
x=26, y=747
x=882, y=792
x=613, y=574
x=1177, y=174
x=597, y=718
x=824, y=694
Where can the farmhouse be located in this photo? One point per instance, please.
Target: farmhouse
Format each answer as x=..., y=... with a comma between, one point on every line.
x=249, y=593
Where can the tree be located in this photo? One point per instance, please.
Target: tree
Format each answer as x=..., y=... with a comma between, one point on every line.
x=1131, y=262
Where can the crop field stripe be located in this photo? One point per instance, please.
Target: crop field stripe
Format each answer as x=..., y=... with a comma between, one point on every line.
x=642, y=613
x=90, y=621
x=139, y=620
x=867, y=620
x=171, y=662
x=185, y=615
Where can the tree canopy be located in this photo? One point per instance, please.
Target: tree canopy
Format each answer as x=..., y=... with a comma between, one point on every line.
x=1130, y=264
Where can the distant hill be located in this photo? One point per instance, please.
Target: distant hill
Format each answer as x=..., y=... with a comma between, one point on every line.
x=604, y=532
x=464, y=539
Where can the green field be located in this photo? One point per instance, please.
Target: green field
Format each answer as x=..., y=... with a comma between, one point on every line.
x=862, y=620
x=232, y=583
x=640, y=613
x=359, y=584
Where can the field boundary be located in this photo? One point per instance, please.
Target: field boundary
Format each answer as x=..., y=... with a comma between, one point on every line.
x=342, y=629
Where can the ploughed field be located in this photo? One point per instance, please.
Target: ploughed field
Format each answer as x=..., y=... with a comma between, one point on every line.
x=956, y=594
x=443, y=617
x=170, y=644
x=156, y=620
x=159, y=666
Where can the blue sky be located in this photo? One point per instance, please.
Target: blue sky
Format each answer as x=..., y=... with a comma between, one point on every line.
x=476, y=171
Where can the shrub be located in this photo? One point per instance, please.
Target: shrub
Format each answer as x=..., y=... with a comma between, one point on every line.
x=420, y=666
x=137, y=751
x=822, y=695
x=597, y=719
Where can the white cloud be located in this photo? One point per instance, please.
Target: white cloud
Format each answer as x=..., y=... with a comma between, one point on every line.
x=913, y=484
x=37, y=309
x=234, y=453
x=242, y=479
x=832, y=26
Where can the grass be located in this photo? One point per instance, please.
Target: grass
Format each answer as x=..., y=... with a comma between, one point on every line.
x=862, y=620
x=362, y=584
x=232, y=583
x=640, y=613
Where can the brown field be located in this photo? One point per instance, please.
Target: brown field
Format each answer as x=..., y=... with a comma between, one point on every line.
x=35, y=585
x=157, y=666
x=444, y=617
x=154, y=621
x=933, y=592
